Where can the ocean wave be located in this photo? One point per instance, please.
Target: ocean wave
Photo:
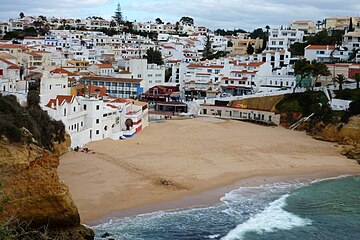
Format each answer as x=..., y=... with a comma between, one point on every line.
x=331, y=178
x=238, y=195
x=271, y=219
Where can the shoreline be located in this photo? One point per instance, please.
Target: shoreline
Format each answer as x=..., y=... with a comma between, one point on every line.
x=213, y=196
x=178, y=164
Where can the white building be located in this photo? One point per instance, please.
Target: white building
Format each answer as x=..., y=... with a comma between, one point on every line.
x=282, y=39
x=53, y=84
x=325, y=53
x=151, y=74
x=9, y=75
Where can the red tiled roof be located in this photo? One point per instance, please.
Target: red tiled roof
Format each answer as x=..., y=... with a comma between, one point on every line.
x=95, y=89
x=64, y=71
x=112, y=106
x=194, y=65
x=12, y=65
x=104, y=65
x=119, y=100
x=61, y=99
x=4, y=46
x=315, y=47
x=33, y=54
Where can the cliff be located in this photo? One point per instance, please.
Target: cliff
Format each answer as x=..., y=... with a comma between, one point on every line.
x=346, y=134
x=35, y=195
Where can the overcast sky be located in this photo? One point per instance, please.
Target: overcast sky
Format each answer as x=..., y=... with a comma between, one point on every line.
x=228, y=14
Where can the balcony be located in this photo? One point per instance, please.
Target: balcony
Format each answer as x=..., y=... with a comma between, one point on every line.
x=76, y=114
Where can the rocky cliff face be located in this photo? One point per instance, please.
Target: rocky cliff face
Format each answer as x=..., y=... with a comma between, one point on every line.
x=345, y=134
x=35, y=194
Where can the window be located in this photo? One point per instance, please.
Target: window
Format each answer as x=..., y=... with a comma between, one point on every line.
x=74, y=109
x=65, y=112
x=85, y=107
x=97, y=132
x=1, y=72
x=97, y=121
x=97, y=107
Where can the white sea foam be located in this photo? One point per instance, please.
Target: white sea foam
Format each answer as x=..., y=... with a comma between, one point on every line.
x=214, y=236
x=238, y=195
x=332, y=178
x=273, y=218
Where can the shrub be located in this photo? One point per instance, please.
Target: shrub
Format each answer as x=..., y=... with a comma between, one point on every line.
x=43, y=129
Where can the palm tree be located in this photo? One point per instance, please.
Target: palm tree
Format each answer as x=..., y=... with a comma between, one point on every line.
x=267, y=27
x=340, y=79
x=357, y=79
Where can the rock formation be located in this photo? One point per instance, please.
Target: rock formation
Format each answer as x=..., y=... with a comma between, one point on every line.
x=34, y=193
x=347, y=135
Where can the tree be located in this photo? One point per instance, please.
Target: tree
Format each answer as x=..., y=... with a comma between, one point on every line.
x=298, y=49
x=63, y=22
x=250, y=49
x=118, y=17
x=340, y=79
x=37, y=24
x=351, y=28
x=319, y=69
x=267, y=27
x=33, y=99
x=357, y=79
x=258, y=33
x=159, y=21
x=21, y=15
x=303, y=69
x=318, y=24
x=187, y=20
x=177, y=27
x=208, y=48
x=78, y=21
x=154, y=56
x=112, y=23
x=43, y=18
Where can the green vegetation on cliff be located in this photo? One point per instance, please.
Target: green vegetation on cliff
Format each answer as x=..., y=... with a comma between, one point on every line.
x=30, y=124
x=307, y=103
x=316, y=102
x=354, y=96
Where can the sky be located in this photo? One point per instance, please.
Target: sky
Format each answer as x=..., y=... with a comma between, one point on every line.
x=226, y=14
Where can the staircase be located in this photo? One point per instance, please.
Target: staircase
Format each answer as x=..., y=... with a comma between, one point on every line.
x=301, y=121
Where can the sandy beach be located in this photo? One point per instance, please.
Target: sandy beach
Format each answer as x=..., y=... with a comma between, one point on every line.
x=191, y=162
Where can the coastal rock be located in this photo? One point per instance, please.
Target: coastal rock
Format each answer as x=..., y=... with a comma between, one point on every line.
x=62, y=148
x=354, y=153
x=348, y=134
x=346, y=149
x=34, y=193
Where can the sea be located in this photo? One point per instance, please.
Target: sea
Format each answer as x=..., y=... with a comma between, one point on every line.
x=323, y=209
